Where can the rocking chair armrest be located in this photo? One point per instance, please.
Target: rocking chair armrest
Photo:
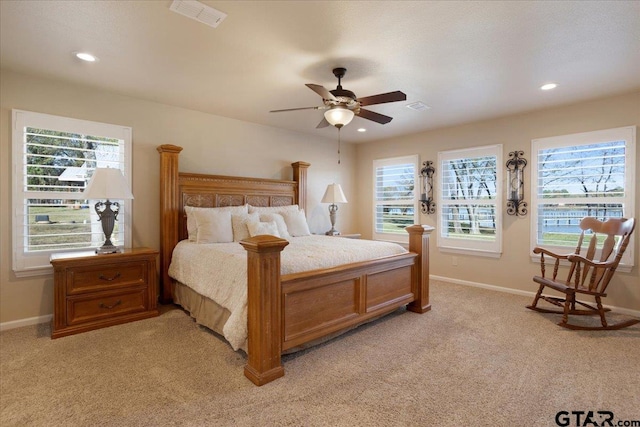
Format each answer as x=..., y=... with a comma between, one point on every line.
x=595, y=264
x=538, y=250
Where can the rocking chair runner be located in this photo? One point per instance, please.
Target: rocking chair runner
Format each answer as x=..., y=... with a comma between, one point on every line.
x=586, y=277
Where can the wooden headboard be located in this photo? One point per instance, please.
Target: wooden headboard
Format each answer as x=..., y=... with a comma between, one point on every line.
x=178, y=190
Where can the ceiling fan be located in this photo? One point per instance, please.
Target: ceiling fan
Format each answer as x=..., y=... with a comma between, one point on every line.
x=342, y=105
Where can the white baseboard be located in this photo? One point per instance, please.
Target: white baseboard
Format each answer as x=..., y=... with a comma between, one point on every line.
x=621, y=310
x=25, y=322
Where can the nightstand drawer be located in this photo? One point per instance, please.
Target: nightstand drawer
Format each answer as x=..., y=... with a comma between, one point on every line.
x=107, y=305
x=106, y=276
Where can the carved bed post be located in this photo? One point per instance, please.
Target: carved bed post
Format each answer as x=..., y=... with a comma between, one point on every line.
x=300, y=176
x=264, y=308
x=419, y=243
x=169, y=209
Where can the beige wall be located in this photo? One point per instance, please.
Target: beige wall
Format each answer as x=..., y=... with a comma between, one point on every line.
x=514, y=268
x=212, y=144
x=218, y=145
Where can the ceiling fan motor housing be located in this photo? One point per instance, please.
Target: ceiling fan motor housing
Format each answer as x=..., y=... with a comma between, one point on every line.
x=343, y=97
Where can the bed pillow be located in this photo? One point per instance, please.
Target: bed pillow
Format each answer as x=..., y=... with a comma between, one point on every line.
x=272, y=209
x=192, y=225
x=239, y=224
x=296, y=223
x=260, y=228
x=279, y=220
x=213, y=226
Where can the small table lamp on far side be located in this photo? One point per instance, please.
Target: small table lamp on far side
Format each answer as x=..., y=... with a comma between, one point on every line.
x=107, y=183
x=333, y=195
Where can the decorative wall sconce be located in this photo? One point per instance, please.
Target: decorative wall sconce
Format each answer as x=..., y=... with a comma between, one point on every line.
x=427, y=205
x=515, y=187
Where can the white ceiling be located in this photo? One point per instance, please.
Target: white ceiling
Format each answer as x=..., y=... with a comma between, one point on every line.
x=467, y=60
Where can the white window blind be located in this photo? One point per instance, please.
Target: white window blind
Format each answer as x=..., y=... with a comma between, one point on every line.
x=579, y=175
x=54, y=158
x=469, y=200
x=394, y=197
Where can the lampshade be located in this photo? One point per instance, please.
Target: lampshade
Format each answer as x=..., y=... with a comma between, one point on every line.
x=339, y=116
x=107, y=183
x=334, y=194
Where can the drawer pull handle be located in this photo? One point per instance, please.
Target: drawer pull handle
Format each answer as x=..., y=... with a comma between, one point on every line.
x=108, y=307
x=109, y=279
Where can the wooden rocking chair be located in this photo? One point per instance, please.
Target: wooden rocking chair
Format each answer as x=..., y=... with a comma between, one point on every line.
x=586, y=277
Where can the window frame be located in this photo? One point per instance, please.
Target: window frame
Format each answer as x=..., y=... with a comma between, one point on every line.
x=36, y=263
x=626, y=133
x=471, y=246
x=400, y=237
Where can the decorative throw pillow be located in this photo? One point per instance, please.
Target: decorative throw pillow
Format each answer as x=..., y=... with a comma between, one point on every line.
x=272, y=209
x=260, y=228
x=279, y=220
x=239, y=224
x=213, y=226
x=296, y=223
x=192, y=225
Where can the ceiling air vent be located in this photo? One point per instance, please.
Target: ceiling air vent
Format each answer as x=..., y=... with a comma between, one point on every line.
x=200, y=12
x=418, y=106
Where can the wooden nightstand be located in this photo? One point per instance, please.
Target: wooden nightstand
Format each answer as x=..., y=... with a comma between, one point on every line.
x=348, y=236
x=94, y=291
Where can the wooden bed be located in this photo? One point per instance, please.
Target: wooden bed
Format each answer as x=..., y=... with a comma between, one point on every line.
x=285, y=312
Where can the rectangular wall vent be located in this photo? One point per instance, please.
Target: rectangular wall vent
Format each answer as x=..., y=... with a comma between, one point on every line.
x=200, y=12
x=418, y=106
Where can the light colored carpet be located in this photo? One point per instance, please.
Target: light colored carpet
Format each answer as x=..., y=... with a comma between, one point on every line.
x=479, y=358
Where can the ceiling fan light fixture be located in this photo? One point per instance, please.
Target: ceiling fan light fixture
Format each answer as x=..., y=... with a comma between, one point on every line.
x=339, y=116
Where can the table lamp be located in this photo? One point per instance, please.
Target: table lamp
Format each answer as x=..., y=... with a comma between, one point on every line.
x=107, y=183
x=333, y=195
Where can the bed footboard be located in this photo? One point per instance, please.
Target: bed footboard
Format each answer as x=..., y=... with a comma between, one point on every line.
x=287, y=311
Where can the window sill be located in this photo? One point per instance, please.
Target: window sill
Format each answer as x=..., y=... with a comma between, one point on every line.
x=473, y=252
x=549, y=261
x=400, y=238
x=34, y=272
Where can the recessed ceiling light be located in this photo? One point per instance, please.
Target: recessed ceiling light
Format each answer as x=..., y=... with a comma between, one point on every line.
x=86, y=56
x=362, y=130
x=548, y=86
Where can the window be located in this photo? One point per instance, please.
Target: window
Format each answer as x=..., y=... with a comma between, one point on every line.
x=573, y=176
x=395, y=203
x=53, y=159
x=470, y=200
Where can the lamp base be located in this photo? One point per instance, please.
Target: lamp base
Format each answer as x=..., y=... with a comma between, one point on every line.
x=103, y=250
x=108, y=217
x=333, y=208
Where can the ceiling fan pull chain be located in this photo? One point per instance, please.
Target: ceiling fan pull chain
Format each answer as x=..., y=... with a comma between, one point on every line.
x=338, y=145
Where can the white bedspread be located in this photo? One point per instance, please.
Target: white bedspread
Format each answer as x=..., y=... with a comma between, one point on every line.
x=219, y=271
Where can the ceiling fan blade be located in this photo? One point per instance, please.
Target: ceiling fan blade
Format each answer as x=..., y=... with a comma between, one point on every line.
x=323, y=124
x=320, y=90
x=383, y=98
x=376, y=117
x=323, y=107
